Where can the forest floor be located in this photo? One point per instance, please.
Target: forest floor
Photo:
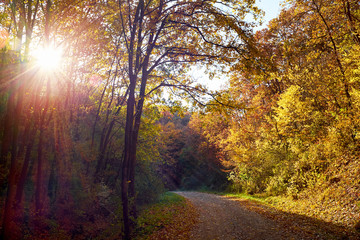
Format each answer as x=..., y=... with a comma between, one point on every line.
x=222, y=217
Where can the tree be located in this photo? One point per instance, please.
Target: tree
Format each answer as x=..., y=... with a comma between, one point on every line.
x=162, y=37
x=299, y=92
x=33, y=105
x=23, y=16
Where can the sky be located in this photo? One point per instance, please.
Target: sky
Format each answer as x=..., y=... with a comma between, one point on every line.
x=272, y=9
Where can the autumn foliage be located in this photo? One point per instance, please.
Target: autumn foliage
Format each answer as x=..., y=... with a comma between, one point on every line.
x=297, y=134
x=118, y=120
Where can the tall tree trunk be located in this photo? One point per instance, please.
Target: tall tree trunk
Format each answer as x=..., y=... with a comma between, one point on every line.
x=24, y=170
x=127, y=158
x=39, y=194
x=39, y=174
x=8, y=220
x=130, y=145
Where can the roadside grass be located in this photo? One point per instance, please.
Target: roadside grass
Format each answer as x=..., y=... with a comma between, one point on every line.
x=256, y=198
x=247, y=197
x=171, y=218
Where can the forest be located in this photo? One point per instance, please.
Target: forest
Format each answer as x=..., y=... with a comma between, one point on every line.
x=100, y=114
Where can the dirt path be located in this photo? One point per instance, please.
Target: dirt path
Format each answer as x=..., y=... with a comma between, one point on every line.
x=228, y=219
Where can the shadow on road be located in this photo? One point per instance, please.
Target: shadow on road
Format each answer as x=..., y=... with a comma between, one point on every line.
x=310, y=228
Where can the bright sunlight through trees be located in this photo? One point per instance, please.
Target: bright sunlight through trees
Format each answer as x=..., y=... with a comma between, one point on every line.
x=48, y=58
x=107, y=105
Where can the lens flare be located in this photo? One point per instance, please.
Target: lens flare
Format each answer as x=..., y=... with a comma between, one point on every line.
x=4, y=35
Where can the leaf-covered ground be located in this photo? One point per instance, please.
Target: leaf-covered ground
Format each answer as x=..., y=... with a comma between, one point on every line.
x=172, y=218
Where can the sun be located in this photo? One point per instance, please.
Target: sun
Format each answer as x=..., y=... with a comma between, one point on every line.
x=48, y=58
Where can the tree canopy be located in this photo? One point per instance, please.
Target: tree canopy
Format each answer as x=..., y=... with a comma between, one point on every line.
x=94, y=124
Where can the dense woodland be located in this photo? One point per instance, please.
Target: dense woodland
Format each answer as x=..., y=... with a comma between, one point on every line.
x=89, y=141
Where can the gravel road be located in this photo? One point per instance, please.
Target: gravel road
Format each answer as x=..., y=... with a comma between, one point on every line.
x=225, y=219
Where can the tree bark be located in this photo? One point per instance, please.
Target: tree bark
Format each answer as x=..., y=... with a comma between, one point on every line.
x=129, y=145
